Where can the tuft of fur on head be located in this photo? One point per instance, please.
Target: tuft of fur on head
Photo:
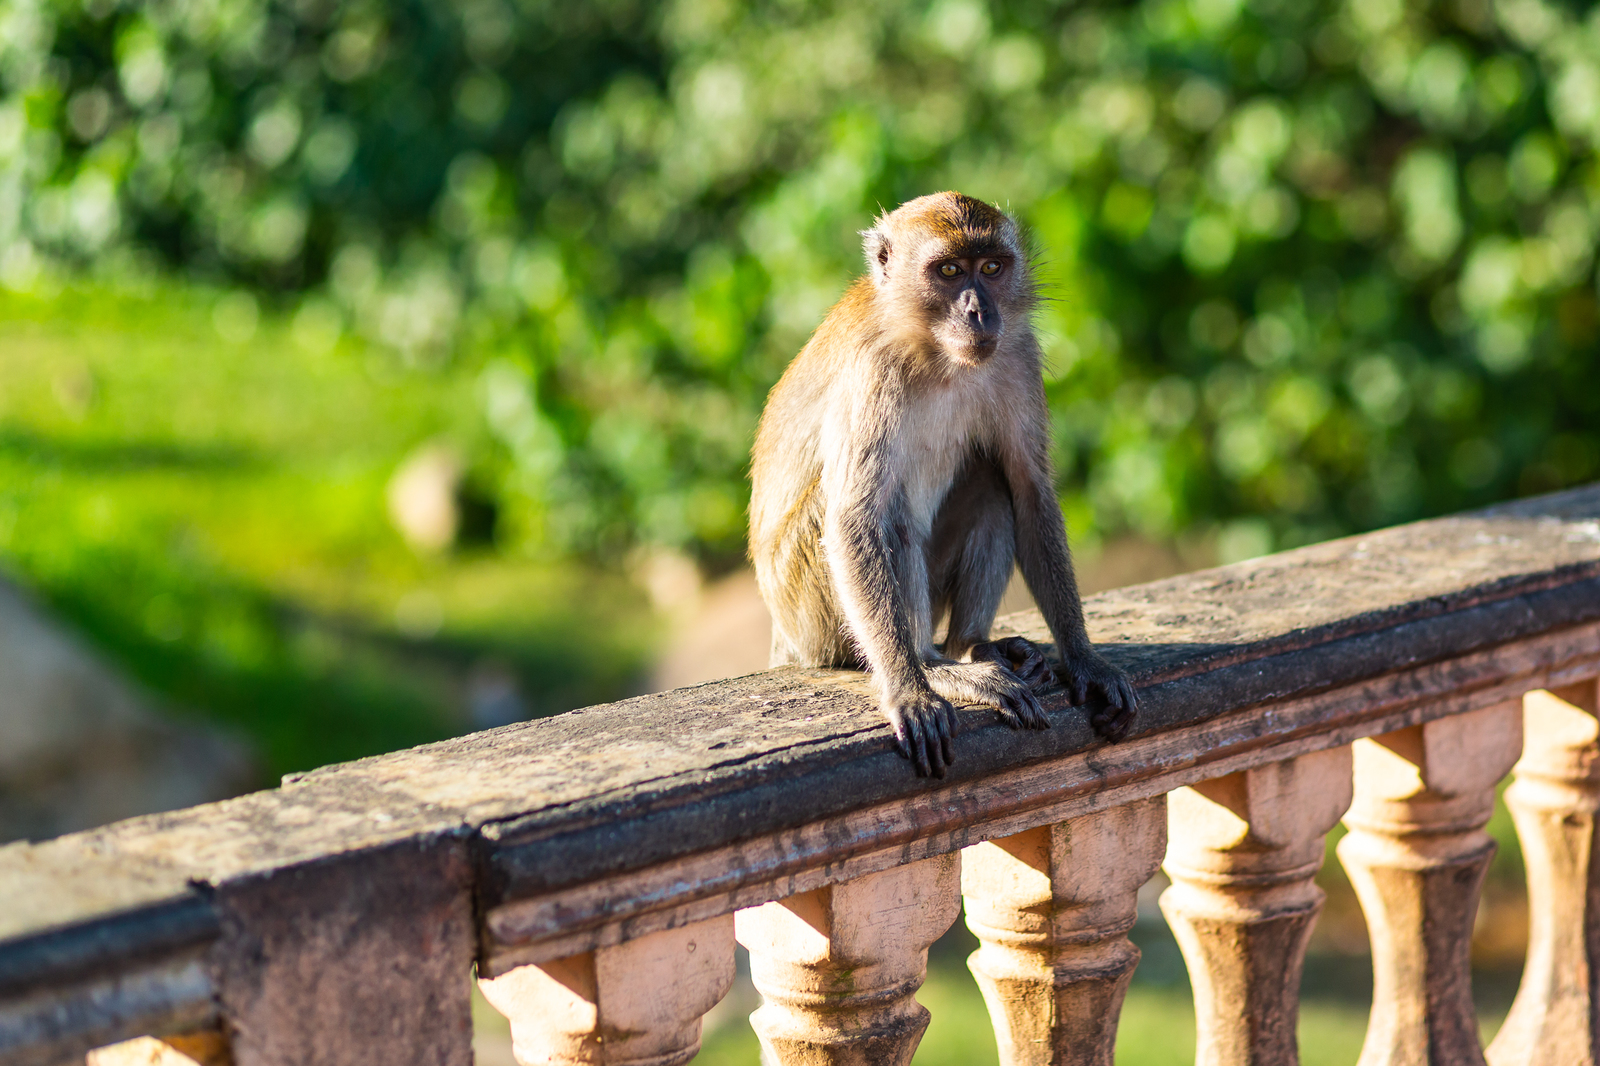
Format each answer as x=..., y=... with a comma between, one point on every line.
x=967, y=226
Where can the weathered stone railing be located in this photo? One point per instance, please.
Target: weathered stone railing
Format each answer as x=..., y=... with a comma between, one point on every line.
x=598, y=867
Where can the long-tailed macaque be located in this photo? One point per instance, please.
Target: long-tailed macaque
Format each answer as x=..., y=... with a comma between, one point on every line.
x=901, y=467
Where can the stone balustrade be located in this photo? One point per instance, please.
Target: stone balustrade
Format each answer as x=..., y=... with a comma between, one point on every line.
x=597, y=869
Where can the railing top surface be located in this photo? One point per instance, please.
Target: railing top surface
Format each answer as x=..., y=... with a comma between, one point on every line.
x=599, y=791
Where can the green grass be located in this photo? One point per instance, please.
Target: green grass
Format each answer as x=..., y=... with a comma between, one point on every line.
x=212, y=514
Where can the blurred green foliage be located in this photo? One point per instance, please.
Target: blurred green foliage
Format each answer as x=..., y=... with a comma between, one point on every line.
x=212, y=514
x=1317, y=266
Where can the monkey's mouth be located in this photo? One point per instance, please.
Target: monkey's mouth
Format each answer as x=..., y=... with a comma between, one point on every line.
x=973, y=346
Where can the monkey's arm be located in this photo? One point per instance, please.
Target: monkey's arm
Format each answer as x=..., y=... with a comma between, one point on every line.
x=858, y=527
x=1047, y=567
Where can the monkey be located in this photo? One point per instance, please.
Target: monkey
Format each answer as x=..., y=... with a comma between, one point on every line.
x=901, y=468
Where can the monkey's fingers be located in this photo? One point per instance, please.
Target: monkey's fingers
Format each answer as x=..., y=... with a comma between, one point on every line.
x=1024, y=710
x=1116, y=718
x=935, y=753
x=1112, y=722
x=1029, y=664
x=919, y=745
x=1039, y=676
x=1118, y=692
x=1127, y=698
x=939, y=728
x=1029, y=713
x=1076, y=684
x=902, y=743
x=947, y=735
x=924, y=728
x=1021, y=657
x=1036, y=719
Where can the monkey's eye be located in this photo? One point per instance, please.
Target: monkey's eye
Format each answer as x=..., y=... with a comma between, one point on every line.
x=949, y=270
x=991, y=268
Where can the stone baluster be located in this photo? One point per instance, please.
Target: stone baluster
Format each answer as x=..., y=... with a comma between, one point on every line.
x=837, y=967
x=638, y=1002
x=1417, y=854
x=1554, y=801
x=1052, y=907
x=1242, y=854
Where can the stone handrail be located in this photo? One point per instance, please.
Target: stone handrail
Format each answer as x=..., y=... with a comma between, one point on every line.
x=598, y=867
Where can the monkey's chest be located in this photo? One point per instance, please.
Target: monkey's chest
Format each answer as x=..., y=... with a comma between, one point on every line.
x=933, y=448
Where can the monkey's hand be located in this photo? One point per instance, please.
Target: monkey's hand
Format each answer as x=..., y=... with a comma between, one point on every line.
x=1085, y=674
x=924, y=726
x=1022, y=657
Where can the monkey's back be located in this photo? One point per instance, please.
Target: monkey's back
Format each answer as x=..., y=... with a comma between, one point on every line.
x=788, y=504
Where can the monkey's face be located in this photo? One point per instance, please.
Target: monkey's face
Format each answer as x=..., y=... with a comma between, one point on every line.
x=951, y=275
x=967, y=295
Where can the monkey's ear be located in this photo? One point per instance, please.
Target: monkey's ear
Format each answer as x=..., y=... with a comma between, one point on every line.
x=876, y=246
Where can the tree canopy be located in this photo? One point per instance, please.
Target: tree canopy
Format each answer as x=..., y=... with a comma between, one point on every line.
x=1313, y=266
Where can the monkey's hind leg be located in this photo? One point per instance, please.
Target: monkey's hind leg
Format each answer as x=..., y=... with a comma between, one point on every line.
x=808, y=627
x=971, y=552
x=970, y=558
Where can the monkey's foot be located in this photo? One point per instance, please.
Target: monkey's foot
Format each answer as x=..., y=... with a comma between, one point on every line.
x=991, y=683
x=1022, y=657
x=924, y=725
x=1084, y=674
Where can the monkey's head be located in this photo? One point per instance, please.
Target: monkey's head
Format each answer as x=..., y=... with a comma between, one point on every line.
x=953, y=271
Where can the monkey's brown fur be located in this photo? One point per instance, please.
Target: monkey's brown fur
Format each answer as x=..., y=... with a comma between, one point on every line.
x=902, y=466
